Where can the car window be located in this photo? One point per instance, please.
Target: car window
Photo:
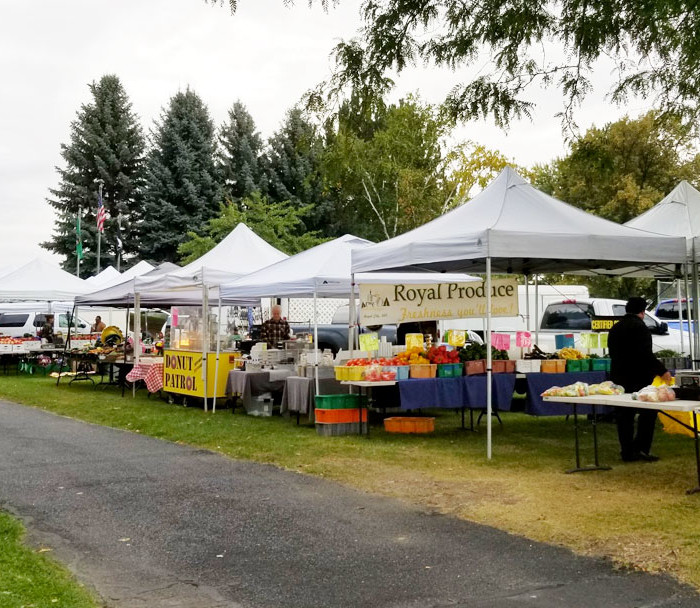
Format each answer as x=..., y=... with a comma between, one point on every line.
x=13, y=320
x=669, y=310
x=619, y=310
x=567, y=316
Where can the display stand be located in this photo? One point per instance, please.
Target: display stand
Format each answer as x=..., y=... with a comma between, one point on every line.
x=627, y=401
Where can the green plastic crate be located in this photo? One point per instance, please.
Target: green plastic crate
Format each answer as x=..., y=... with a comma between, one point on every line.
x=600, y=365
x=337, y=402
x=573, y=365
x=449, y=370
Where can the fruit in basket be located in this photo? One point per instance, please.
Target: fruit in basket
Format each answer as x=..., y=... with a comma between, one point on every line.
x=440, y=355
x=571, y=353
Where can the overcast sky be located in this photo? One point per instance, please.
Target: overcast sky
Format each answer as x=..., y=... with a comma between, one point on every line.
x=266, y=55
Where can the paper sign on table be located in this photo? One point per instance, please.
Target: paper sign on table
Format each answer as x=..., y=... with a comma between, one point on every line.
x=523, y=339
x=414, y=341
x=564, y=341
x=369, y=341
x=175, y=317
x=500, y=341
x=456, y=337
x=603, y=340
x=590, y=341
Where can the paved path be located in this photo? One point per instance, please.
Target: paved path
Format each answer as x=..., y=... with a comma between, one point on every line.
x=204, y=531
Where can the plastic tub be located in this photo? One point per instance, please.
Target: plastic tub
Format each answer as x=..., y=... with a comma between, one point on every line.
x=600, y=365
x=402, y=371
x=472, y=368
x=336, y=430
x=335, y=402
x=339, y=416
x=449, y=370
x=409, y=424
x=423, y=370
x=553, y=366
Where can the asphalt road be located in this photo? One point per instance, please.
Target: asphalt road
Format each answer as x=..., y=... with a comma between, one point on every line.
x=153, y=524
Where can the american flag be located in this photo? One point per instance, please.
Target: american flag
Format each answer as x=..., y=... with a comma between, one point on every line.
x=101, y=214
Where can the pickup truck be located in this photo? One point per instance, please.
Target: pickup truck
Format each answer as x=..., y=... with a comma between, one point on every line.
x=573, y=316
x=335, y=335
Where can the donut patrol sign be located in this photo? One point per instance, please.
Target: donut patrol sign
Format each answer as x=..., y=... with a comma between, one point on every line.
x=182, y=373
x=402, y=303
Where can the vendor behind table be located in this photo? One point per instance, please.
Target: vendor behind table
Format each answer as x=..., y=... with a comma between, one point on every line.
x=276, y=329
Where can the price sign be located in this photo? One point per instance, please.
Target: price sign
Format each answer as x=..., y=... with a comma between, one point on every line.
x=523, y=339
x=603, y=340
x=500, y=341
x=414, y=341
x=457, y=337
x=564, y=341
x=590, y=340
x=369, y=341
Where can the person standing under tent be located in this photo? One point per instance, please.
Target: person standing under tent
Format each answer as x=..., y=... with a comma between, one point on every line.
x=98, y=326
x=634, y=366
x=275, y=329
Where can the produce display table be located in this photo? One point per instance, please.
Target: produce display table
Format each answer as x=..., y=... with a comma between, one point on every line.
x=462, y=392
x=248, y=384
x=627, y=401
x=150, y=371
x=299, y=393
x=537, y=383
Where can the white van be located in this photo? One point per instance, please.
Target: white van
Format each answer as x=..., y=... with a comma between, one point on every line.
x=20, y=322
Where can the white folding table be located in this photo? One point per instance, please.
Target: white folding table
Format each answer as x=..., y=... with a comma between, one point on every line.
x=627, y=401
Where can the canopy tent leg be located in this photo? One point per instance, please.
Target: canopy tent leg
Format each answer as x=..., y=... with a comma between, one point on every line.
x=527, y=302
x=137, y=336
x=126, y=341
x=680, y=312
x=537, y=309
x=65, y=345
x=489, y=396
x=218, y=351
x=205, y=340
x=352, y=314
x=316, y=349
x=688, y=313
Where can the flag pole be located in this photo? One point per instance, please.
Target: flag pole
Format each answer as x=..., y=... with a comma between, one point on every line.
x=78, y=244
x=100, y=183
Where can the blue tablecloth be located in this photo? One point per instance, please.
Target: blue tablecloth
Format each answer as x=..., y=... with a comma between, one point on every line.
x=466, y=391
x=538, y=383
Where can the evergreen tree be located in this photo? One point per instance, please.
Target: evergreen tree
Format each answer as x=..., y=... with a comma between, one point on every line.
x=106, y=143
x=293, y=168
x=182, y=185
x=239, y=155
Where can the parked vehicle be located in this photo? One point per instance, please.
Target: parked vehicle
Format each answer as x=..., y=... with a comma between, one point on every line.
x=17, y=323
x=667, y=311
x=573, y=316
x=334, y=335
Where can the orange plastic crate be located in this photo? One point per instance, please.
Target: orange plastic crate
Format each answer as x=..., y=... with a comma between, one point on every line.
x=553, y=366
x=409, y=424
x=339, y=416
x=423, y=370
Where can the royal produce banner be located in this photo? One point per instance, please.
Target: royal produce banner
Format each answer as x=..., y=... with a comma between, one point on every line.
x=405, y=303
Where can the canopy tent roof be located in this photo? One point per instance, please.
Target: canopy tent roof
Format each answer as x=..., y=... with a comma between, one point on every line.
x=522, y=230
x=241, y=252
x=677, y=214
x=109, y=275
x=40, y=280
x=323, y=270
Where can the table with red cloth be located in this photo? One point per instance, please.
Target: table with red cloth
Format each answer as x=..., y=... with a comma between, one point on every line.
x=150, y=371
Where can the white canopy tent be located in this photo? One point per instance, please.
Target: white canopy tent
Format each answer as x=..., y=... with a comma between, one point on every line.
x=678, y=214
x=324, y=271
x=240, y=253
x=39, y=280
x=512, y=227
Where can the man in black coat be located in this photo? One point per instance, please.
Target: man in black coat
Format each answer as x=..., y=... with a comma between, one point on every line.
x=634, y=366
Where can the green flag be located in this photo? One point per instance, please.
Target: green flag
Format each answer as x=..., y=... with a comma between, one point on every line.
x=78, y=239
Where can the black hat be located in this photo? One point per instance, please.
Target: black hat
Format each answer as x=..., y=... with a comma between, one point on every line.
x=635, y=305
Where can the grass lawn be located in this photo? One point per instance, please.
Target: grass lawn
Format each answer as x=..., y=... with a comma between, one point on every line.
x=637, y=514
x=28, y=578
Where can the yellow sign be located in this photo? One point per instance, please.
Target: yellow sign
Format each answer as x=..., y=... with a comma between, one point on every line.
x=414, y=341
x=405, y=303
x=456, y=337
x=182, y=373
x=369, y=341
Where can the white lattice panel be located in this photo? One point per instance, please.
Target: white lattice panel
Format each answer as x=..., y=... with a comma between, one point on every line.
x=301, y=310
